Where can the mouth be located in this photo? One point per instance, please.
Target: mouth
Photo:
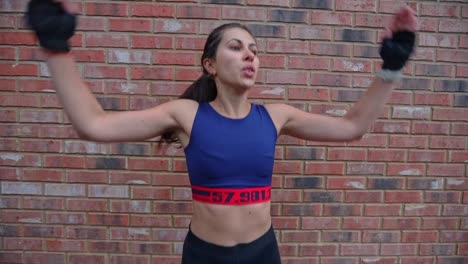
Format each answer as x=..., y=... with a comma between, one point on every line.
x=248, y=71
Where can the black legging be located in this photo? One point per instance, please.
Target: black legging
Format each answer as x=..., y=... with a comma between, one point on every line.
x=263, y=250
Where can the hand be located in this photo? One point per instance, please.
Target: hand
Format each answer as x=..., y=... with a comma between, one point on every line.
x=399, y=41
x=53, y=23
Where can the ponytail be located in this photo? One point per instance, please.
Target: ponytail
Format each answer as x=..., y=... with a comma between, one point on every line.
x=202, y=90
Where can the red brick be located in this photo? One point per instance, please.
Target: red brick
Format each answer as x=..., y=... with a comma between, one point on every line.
x=283, y=3
x=453, y=26
x=56, y=258
x=439, y=223
x=87, y=205
x=282, y=47
x=151, y=73
x=403, y=197
x=107, y=9
x=386, y=155
x=107, y=40
x=175, y=26
x=426, y=156
x=382, y=210
x=65, y=245
x=287, y=167
x=458, y=156
x=66, y=218
x=108, y=219
x=299, y=236
x=7, y=53
x=152, y=221
x=430, y=128
x=437, y=40
x=418, y=260
x=365, y=168
x=324, y=168
x=363, y=197
x=449, y=170
x=203, y=12
x=283, y=195
x=131, y=24
x=44, y=203
x=359, y=250
x=102, y=72
x=448, y=142
x=151, y=42
x=168, y=207
x=419, y=236
x=17, y=38
x=108, y=247
x=174, y=58
x=406, y=169
x=360, y=5
x=22, y=244
x=346, y=154
x=399, y=249
x=459, y=129
x=320, y=223
x=79, y=259
x=422, y=210
x=391, y=127
x=401, y=223
x=440, y=10
x=452, y=56
x=437, y=249
x=318, y=250
x=432, y=99
x=158, y=193
x=23, y=69
x=301, y=210
x=453, y=236
x=331, y=18
x=153, y=10
x=151, y=248
x=244, y=13
x=350, y=183
x=398, y=141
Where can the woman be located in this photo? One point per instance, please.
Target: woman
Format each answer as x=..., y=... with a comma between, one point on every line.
x=229, y=142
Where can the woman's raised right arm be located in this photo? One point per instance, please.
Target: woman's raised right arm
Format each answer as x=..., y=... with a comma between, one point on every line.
x=54, y=23
x=92, y=122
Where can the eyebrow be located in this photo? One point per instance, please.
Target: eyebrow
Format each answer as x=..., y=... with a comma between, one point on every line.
x=240, y=42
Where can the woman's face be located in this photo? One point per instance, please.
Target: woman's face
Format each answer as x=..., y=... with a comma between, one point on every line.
x=236, y=63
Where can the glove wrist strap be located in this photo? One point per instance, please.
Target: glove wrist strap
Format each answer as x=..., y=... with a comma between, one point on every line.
x=390, y=75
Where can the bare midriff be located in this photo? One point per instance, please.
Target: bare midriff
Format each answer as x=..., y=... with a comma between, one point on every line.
x=229, y=225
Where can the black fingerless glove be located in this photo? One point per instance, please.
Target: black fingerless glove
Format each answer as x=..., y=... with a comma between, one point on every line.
x=52, y=24
x=395, y=51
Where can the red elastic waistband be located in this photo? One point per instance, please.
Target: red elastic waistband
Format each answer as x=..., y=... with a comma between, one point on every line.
x=231, y=196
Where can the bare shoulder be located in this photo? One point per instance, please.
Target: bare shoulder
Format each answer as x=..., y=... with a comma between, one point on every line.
x=279, y=113
x=279, y=110
x=180, y=106
x=182, y=110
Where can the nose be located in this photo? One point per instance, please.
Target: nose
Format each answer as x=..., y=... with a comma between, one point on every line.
x=249, y=55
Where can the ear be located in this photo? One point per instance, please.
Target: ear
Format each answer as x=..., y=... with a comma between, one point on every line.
x=209, y=64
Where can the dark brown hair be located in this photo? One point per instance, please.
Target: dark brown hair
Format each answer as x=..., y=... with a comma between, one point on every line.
x=204, y=88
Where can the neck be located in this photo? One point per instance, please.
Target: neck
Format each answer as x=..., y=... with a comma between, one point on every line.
x=231, y=105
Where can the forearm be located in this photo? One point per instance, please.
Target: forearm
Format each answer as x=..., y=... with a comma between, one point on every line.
x=79, y=103
x=364, y=113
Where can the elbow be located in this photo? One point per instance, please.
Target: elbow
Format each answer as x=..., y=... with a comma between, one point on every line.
x=357, y=136
x=357, y=132
x=85, y=134
x=88, y=132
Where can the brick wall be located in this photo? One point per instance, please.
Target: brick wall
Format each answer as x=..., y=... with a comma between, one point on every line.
x=399, y=195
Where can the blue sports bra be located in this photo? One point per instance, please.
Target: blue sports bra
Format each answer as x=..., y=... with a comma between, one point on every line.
x=231, y=153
